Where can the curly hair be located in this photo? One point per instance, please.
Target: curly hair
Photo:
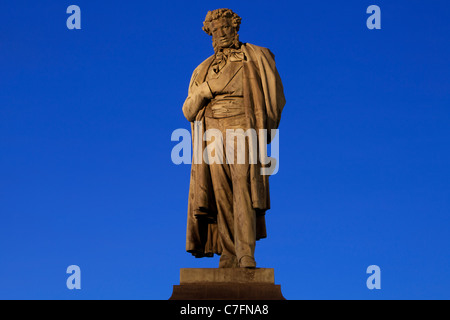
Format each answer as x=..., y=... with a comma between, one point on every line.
x=219, y=13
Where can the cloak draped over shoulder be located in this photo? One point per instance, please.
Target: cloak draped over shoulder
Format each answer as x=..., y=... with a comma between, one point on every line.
x=263, y=103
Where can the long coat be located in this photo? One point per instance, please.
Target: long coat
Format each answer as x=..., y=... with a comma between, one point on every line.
x=263, y=103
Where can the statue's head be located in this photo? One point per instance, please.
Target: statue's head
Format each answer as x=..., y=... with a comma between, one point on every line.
x=223, y=26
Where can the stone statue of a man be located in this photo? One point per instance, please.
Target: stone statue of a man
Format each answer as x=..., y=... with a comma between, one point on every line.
x=236, y=88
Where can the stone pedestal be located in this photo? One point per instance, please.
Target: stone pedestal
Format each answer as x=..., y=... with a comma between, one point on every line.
x=227, y=284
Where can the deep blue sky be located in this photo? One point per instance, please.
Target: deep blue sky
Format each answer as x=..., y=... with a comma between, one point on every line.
x=86, y=118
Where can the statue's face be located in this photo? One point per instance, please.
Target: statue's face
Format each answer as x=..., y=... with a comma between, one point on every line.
x=223, y=33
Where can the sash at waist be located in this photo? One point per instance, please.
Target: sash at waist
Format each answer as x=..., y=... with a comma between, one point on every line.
x=223, y=108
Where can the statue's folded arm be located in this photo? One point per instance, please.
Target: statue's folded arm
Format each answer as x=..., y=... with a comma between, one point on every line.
x=198, y=97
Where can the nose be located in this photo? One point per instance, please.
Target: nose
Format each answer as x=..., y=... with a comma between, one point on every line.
x=220, y=32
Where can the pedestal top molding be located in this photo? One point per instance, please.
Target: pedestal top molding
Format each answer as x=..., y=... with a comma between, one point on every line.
x=227, y=275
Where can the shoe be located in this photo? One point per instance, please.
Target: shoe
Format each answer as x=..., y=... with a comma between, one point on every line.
x=247, y=262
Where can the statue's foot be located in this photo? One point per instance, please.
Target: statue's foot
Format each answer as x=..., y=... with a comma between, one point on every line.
x=247, y=262
x=228, y=261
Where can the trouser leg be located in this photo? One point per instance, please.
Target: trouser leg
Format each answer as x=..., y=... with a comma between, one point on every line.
x=223, y=193
x=244, y=214
x=231, y=183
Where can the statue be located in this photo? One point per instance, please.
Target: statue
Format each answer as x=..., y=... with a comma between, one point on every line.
x=236, y=88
